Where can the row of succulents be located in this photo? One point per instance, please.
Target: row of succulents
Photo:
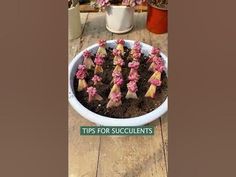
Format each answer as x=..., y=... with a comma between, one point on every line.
x=154, y=60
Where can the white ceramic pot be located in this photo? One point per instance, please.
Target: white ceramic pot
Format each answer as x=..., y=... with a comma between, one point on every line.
x=109, y=121
x=74, y=23
x=119, y=19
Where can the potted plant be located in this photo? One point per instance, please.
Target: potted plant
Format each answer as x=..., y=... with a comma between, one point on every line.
x=157, y=17
x=74, y=23
x=127, y=92
x=119, y=14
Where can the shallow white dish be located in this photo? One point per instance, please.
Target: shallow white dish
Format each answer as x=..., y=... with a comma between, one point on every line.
x=109, y=121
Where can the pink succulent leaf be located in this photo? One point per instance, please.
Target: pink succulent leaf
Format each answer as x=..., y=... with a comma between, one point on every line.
x=118, y=81
x=155, y=82
x=116, y=97
x=102, y=43
x=81, y=73
x=157, y=60
x=159, y=64
x=132, y=86
x=116, y=74
x=96, y=78
x=116, y=52
x=137, y=44
x=133, y=75
x=137, y=49
x=155, y=51
x=92, y=91
x=99, y=60
x=119, y=62
x=134, y=64
x=159, y=68
x=82, y=67
x=120, y=41
x=86, y=54
x=137, y=55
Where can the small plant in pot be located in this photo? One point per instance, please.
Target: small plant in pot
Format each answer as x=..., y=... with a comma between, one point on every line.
x=119, y=13
x=157, y=17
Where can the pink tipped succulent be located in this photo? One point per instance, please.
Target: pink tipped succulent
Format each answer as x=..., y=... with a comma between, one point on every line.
x=116, y=74
x=120, y=45
x=134, y=65
x=99, y=60
x=118, y=81
x=137, y=44
x=132, y=86
x=155, y=82
x=82, y=67
x=159, y=68
x=120, y=41
x=115, y=100
x=117, y=55
x=157, y=60
x=102, y=48
x=80, y=75
x=96, y=79
x=119, y=62
x=153, y=87
x=136, y=48
x=132, y=89
x=156, y=63
x=116, y=52
x=86, y=54
x=133, y=75
x=136, y=56
x=155, y=51
x=93, y=95
x=116, y=97
x=102, y=43
x=88, y=62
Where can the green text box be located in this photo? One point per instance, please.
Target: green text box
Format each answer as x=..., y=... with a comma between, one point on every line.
x=108, y=130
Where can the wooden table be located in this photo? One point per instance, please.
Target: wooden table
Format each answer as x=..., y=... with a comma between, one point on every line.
x=111, y=156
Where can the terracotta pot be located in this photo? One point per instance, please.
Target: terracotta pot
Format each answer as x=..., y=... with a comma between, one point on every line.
x=157, y=19
x=119, y=19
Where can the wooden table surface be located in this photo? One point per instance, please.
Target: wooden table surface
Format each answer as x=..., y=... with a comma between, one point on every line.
x=111, y=156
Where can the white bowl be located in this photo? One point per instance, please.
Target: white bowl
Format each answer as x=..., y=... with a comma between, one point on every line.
x=109, y=121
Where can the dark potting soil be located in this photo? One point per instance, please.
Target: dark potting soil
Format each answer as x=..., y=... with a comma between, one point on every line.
x=129, y=107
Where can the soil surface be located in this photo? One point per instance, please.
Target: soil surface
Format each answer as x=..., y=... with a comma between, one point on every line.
x=129, y=107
